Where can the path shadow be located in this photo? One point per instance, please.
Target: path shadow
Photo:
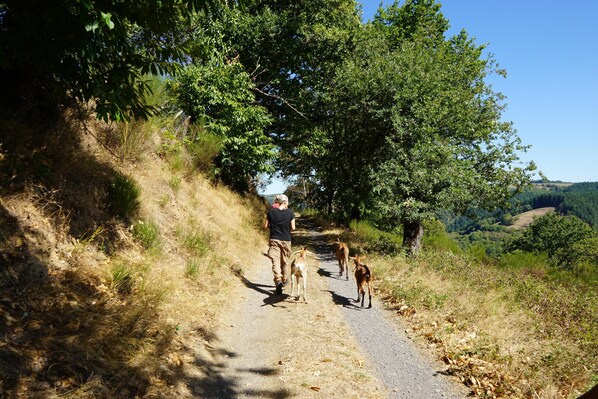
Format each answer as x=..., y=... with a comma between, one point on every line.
x=213, y=383
x=271, y=299
x=343, y=301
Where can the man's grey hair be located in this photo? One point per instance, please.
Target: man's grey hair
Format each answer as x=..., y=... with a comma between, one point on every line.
x=281, y=198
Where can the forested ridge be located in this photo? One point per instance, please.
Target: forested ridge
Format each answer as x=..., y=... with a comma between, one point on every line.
x=118, y=119
x=579, y=199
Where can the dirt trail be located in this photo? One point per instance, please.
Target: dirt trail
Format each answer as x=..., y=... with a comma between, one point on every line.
x=274, y=347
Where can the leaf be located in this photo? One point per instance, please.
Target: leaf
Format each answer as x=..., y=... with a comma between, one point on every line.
x=106, y=17
x=92, y=27
x=317, y=389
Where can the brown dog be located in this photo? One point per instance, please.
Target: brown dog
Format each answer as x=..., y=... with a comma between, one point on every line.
x=342, y=254
x=363, y=275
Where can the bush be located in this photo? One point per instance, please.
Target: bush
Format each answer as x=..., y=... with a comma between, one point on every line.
x=564, y=238
x=203, y=147
x=377, y=240
x=435, y=236
x=123, y=197
x=365, y=231
x=147, y=233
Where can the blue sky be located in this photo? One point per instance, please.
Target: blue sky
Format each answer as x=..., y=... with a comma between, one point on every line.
x=549, y=49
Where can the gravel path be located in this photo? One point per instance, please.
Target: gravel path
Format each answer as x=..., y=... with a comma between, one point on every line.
x=271, y=346
x=406, y=372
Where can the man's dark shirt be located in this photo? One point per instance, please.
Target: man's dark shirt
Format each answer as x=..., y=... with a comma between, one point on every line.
x=280, y=223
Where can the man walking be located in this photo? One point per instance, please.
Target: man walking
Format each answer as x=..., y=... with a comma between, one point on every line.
x=281, y=221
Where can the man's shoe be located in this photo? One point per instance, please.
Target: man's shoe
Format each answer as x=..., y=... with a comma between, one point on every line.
x=279, y=289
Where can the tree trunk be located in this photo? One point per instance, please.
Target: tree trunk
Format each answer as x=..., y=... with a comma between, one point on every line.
x=355, y=213
x=329, y=202
x=413, y=232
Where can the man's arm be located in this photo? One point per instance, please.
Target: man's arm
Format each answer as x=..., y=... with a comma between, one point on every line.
x=292, y=224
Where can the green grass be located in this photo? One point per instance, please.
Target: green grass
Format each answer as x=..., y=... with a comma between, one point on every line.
x=197, y=242
x=192, y=268
x=147, y=233
x=122, y=277
x=175, y=183
x=377, y=240
x=123, y=197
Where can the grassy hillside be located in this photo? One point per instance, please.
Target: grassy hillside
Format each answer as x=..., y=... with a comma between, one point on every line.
x=115, y=256
x=118, y=258
x=513, y=327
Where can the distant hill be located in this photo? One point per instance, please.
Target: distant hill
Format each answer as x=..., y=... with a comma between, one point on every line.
x=579, y=199
x=526, y=218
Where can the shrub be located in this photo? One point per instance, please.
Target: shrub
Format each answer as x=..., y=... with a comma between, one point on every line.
x=435, y=236
x=377, y=240
x=123, y=197
x=197, y=243
x=365, y=231
x=147, y=233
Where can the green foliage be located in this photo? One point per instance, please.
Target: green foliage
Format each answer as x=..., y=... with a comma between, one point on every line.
x=147, y=233
x=519, y=260
x=365, y=231
x=292, y=51
x=436, y=237
x=197, y=242
x=580, y=199
x=376, y=240
x=123, y=197
x=565, y=239
x=218, y=95
x=91, y=50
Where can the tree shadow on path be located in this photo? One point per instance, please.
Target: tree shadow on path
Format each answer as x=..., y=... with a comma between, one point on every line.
x=271, y=299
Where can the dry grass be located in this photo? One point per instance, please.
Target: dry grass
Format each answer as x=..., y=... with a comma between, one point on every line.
x=470, y=316
x=528, y=331
x=526, y=218
x=87, y=311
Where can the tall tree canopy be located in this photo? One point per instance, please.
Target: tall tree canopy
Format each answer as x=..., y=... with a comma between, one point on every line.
x=412, y=126
x=52, y=51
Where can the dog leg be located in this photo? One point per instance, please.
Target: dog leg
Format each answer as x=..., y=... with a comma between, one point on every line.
x=305, y=287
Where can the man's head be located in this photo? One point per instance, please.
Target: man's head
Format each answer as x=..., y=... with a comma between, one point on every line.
x=281, y=199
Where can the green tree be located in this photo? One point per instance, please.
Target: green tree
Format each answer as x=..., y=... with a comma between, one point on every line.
x=218, y=95
x=565, y=239
x=420, y=127
x=292, y=50
x=53, y=52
